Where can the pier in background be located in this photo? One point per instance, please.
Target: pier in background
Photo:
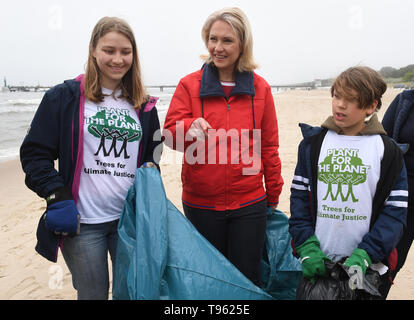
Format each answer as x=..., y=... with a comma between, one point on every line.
x=304, y=86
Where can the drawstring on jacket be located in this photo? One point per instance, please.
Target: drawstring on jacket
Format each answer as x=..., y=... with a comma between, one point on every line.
x=254, y=122
x=202, y=107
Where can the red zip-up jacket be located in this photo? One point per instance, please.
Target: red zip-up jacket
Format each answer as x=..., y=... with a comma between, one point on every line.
x=214, y=175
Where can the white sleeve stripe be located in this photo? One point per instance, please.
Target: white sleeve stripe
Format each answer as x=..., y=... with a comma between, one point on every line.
x=401, y=204
x=397, y=193
x=301, y=179
x=298, y=187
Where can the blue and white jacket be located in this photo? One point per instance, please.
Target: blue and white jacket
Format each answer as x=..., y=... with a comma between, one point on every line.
x=389, y=207
x=398, y=122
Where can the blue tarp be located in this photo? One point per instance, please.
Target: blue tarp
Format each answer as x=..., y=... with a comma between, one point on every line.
x=161, y=255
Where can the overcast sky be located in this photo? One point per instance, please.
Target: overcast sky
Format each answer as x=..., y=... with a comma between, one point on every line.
x=46, y=41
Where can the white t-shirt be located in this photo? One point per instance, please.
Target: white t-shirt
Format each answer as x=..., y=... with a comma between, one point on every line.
x=112, y=133
x=348, y=172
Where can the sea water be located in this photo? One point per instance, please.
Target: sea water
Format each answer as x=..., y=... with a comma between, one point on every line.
x=18, y=108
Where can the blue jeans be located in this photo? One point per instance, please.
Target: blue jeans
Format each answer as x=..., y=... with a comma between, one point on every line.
x=86, y=256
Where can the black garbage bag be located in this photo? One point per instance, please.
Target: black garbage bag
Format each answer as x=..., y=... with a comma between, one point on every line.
x=340, y=285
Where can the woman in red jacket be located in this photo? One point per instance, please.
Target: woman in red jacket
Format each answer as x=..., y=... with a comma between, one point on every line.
x=223, y=117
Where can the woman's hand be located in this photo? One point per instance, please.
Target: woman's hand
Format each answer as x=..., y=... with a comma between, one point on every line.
x=199, y=129
x=149, y=165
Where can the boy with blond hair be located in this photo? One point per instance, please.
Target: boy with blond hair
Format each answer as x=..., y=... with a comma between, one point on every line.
x=349, y=192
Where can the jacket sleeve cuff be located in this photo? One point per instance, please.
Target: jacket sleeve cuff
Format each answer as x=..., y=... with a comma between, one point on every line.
x=174, y=136
x=272, y=204
x=187, y=124
x=272, y=200
x=60, y=194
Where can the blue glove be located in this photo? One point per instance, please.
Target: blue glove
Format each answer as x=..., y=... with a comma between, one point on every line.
x=61, y=215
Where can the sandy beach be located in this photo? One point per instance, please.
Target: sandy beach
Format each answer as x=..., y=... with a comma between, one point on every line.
x=26, y=275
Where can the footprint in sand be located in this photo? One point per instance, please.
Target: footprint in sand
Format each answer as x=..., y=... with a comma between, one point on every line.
x=2, y=271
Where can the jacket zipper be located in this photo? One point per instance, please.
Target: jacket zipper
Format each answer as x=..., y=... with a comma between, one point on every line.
x=226, y=179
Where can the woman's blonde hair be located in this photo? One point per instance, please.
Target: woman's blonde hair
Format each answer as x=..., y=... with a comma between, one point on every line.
x=236, y=18
x=132, y=87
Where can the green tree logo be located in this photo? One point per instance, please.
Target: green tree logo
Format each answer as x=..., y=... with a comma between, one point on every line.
x=342, y=167
x=114, y=127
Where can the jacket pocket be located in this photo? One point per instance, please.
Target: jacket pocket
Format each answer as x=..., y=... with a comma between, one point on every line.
x=203, y=179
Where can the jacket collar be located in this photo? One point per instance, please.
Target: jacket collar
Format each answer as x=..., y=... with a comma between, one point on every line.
x=408, y=94
x=309, y=131
x=372, y=126
x=76, y=85
x=211, y=86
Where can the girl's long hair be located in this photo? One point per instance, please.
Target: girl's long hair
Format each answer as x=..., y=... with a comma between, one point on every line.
x=132, y=87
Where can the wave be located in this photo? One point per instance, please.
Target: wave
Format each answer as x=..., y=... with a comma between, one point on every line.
x=22, y=102
x=18, y=109
x=19, y=105
x=9, y=153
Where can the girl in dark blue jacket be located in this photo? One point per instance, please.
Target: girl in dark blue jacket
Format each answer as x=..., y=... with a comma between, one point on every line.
x=100, y=128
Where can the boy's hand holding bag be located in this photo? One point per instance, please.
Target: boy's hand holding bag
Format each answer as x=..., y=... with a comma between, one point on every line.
x=360, y=258
x=312, y=258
